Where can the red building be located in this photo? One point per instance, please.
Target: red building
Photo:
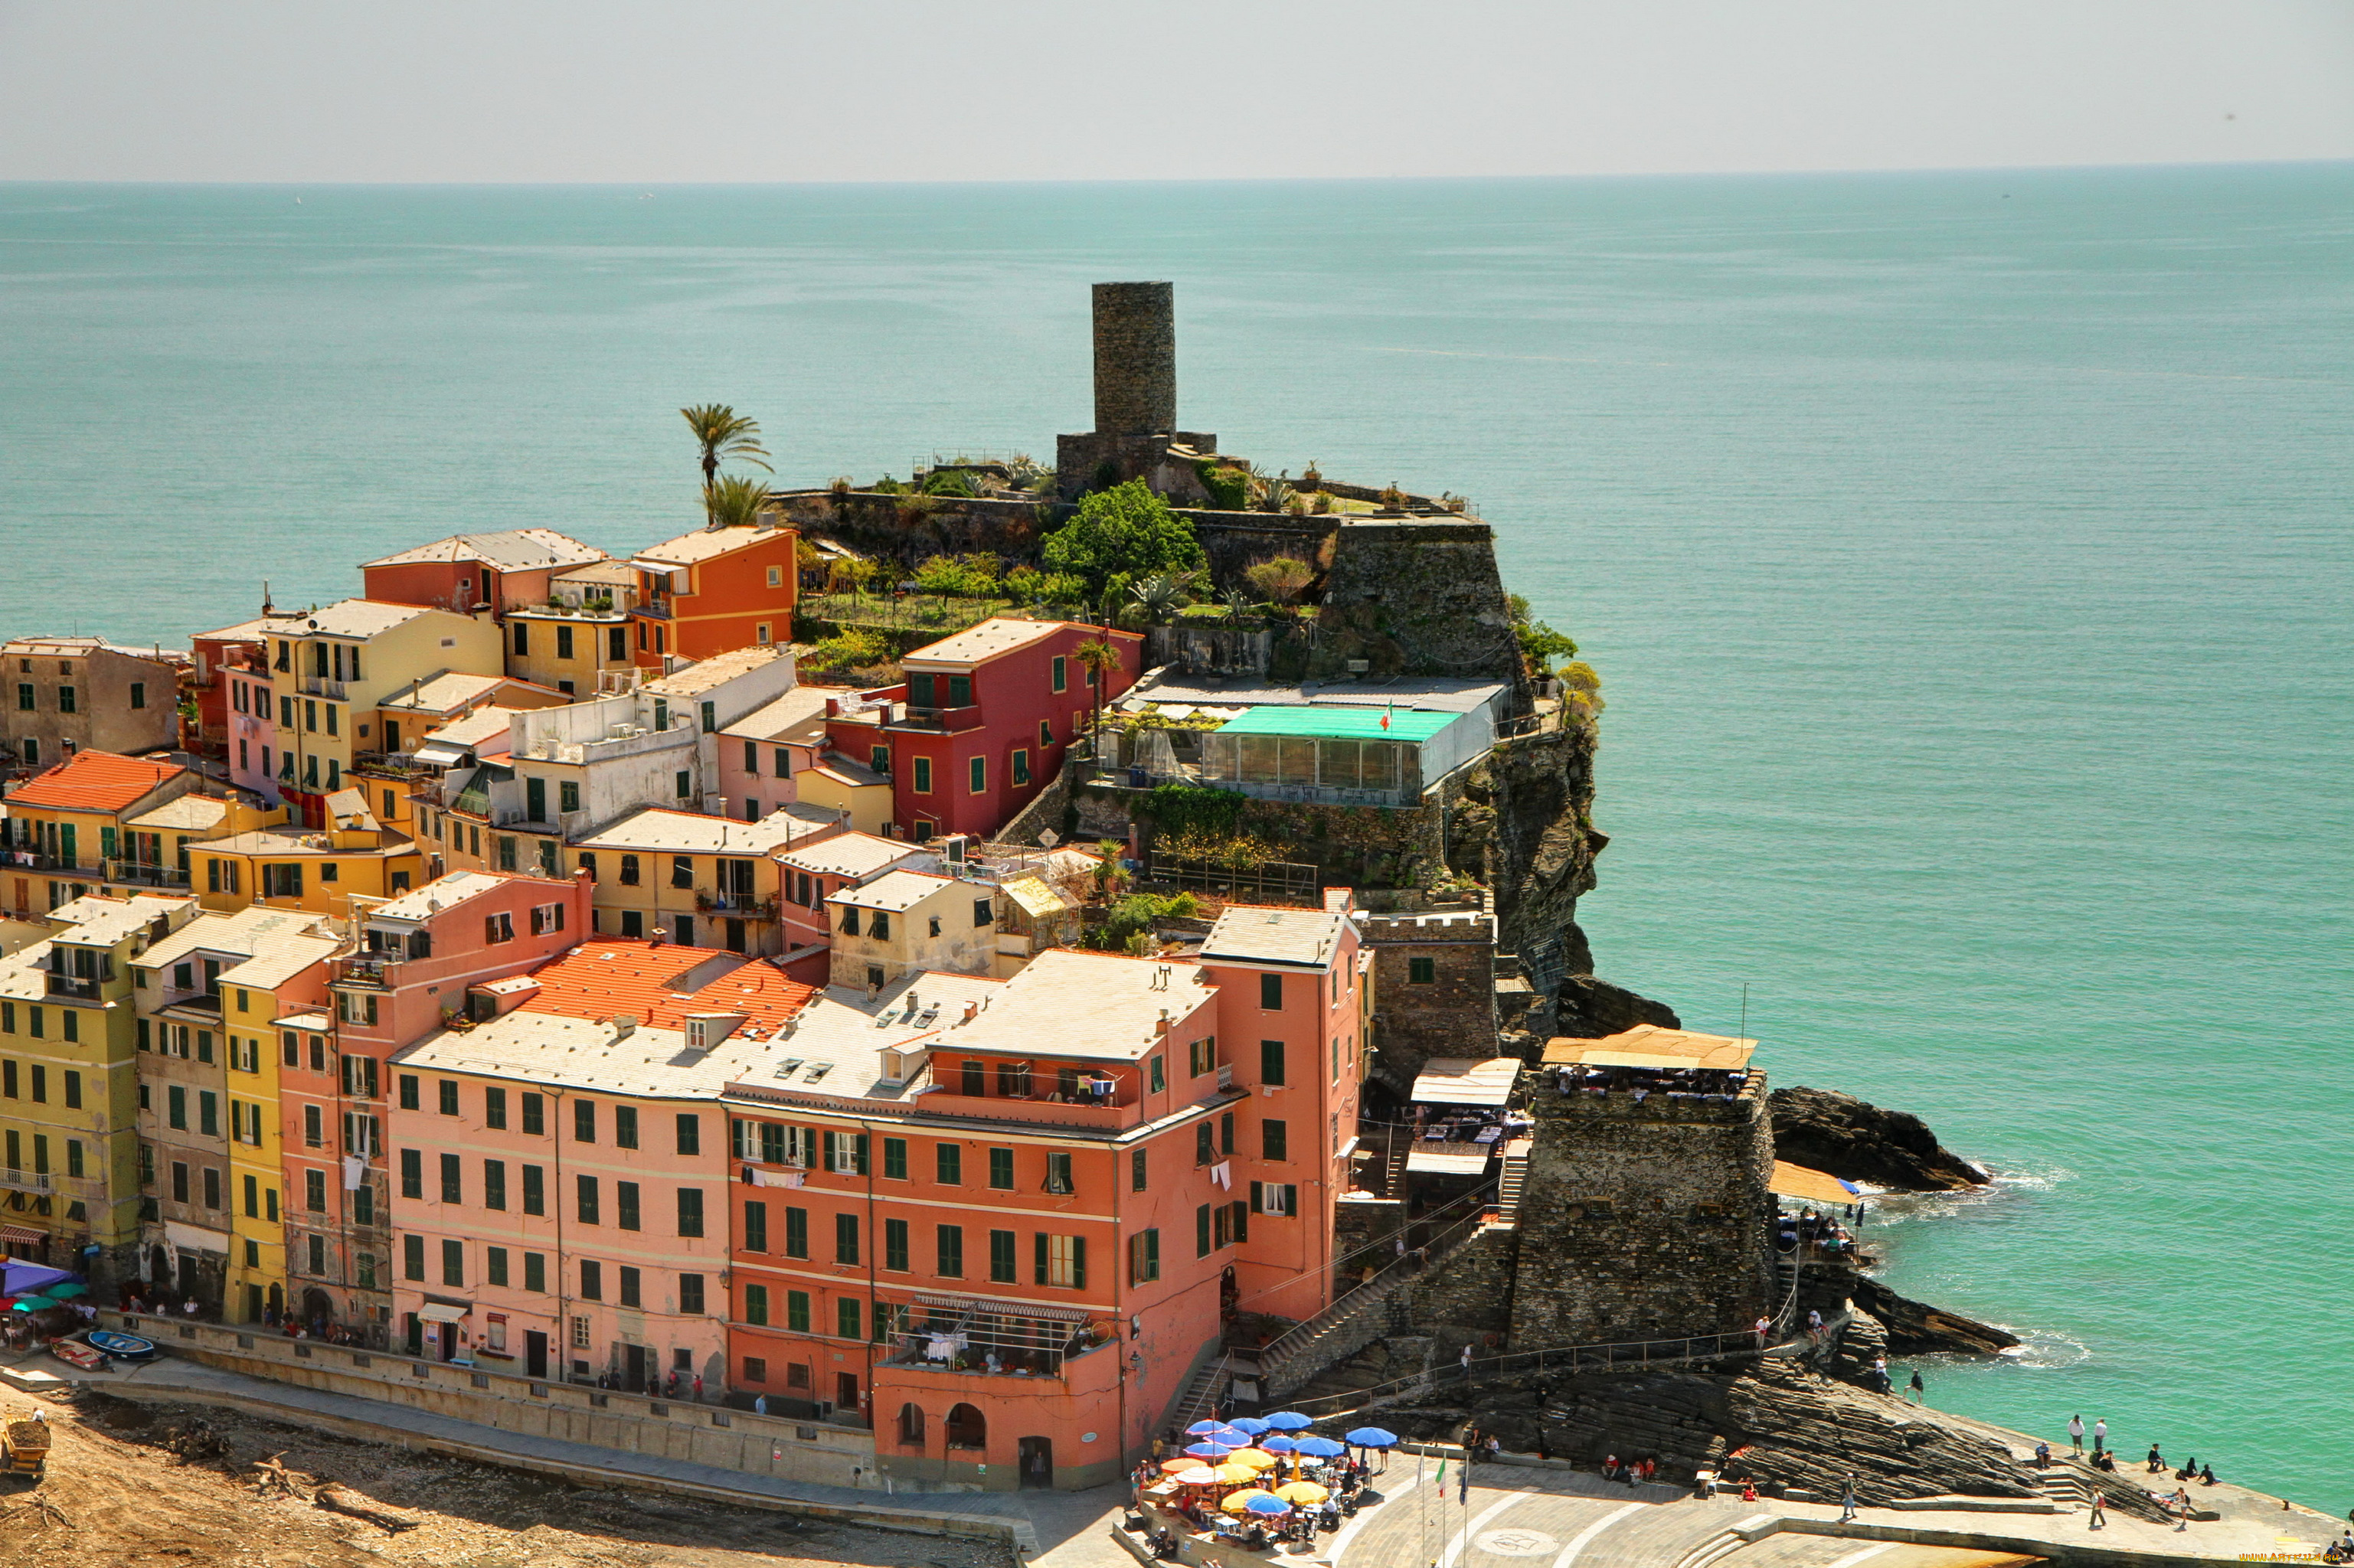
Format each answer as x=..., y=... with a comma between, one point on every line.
x=1006, y=1221
x=714, y=590
x=983, y=722
x=509, y=569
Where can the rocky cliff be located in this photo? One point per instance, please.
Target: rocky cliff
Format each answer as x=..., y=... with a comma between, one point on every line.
x=1826, y=1130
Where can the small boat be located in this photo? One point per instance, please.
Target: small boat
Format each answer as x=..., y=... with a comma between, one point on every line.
x=128, y=1346
x=73, y=1352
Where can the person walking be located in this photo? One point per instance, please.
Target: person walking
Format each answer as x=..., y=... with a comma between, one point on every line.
x=1847, y=1500
x=2076, y=1434
x=1920, y=1390
x=1764, y=1330
x=2182, y=1501
x=2100, y=1433
x=2100, y=1520
x=1465, y=1360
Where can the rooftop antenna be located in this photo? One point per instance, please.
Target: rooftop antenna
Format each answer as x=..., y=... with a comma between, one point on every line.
x=1745, y=1010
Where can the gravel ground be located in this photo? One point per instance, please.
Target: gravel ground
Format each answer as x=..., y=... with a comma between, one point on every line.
x=143, y=1484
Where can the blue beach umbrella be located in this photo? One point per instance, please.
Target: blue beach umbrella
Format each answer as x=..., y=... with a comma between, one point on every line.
x=1267, y=1503
x=1279, y=1445
x=1201, y=1428
x=1208, y=1450
x=1373, y=1438
x=1320, y=1448
x=1250, y=1424
x=1289, y=1421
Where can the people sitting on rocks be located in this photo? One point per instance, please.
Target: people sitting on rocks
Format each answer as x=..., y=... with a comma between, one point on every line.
x=2042, y=1455
x=2206, y=1475
x=2105, y=1459
x=2156, y=1462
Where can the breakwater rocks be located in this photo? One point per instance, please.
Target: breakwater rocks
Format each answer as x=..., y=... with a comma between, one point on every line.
x=1914, y=1328
x=1826, y=1131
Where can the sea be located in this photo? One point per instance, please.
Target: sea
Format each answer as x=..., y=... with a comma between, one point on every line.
x=1966, y=557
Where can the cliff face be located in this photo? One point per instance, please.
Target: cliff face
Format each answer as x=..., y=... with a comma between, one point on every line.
x=1826, y=1130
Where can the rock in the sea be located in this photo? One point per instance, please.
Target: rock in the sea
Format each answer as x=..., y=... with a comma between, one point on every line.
x=1914, y=1328
x=1826, y=1131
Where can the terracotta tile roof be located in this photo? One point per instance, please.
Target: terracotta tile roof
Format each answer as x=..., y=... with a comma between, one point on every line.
x=94, y=782
x=661, y=985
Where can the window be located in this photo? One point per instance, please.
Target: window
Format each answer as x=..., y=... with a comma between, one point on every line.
x=494, y=1106
x=453, y=1263
x=628, y=871
x=408, y=1091
x=500, y=928
x=850, y=920
x=756, y=1305
x=412, y=1257
x=592, y=1282
x=679, y=784
x=534, y=1271
x=845, y=1238
x=975, y=1078
x=1200, y=1055
x=625, y=1126
x=948, y=1251
x=1000, y=1257
x=690, y=1133
x=1202, y=1248
x=138, y=693
x=1000, y=1169
x=1058, y=1171
x=495, y=1265
x=625, y=1204
x=1013, y=1079
x=1021, y=766
x=534, y=1190
x=690, y=1211
x=1274, y=1198
x=449, y=1095
x=796, y=1233
x=1059, y=1261
x=584, y=1121
x=1144, y=1258
x=412, y=1173
x=976, y=771
x=1062, y=668
x=631, y=1287
x=586, y=1192
x=1139, y=1170
x=534, y=1118
x=1421, y=971
x=690, y=1294
x=1156, y=1076
x=1273, y=1140
x=895, y=1245
x=1204, y=1153
x=1270, y=1062
x=847, y=1317
x=797, y=1310
x=1270, y=992
x=567, y=795
x=923, y=776
x=318, y=1250
x=494, y=1183
x=756, y=1225
x=895, y=1159
x=522, y=637
x=453, y=1182
x=66, y=700
x=1045, y=735
x=315, y=1133
x=947, y=1164
x=1226, y=1133
x=682, y=871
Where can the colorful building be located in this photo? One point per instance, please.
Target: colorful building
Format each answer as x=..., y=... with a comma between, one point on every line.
x=812, y=873
x=984, y=722
x=321, y=871
x=904, y=922
x=716, y=589
x=70, y=1087
x=500, y=572
x=70, y=694
x=681, y=876
x=236, y=714
x=760, y=754
x=65, y=833
x=578, y=641
x=423, y=960
x=564, y=1168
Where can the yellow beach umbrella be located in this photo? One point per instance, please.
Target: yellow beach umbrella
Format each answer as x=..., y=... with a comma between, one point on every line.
x=1257, y=1458
x=1306, y=1493
x=1234, y=1475
x=1237, y=1502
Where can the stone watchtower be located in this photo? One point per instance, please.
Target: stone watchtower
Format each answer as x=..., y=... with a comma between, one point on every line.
x=1645, y=1216
x=1136, y=434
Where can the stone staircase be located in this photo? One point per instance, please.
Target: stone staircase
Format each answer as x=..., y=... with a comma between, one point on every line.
x=1199, y=1398
x=1513, y=1181
x=2069, y=1490
x=1394, y=1165
x=1373, y=1310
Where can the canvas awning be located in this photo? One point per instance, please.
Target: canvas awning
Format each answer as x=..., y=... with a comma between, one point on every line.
x=1460, y=1081
x=439, y=754
x=441, y=1312
x=1420, y=1162
x=1674, y=1047
x=1037, y=900
x=988, y=1307
x=1813, y=1186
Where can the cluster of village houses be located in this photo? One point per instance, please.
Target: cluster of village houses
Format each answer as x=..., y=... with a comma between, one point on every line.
x=516, y=965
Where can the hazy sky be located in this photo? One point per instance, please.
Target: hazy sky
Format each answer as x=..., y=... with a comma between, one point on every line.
x=914, y=90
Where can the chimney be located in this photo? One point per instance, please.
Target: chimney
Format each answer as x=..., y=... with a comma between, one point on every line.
x=1136, y=358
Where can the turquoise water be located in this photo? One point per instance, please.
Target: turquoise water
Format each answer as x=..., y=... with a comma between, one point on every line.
x=1967, y=558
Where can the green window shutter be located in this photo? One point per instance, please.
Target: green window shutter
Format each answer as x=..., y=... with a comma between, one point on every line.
x=858, y=1154
x=1078, y=1262
x=1201, y=1231
x=1038, y=1241
x=826, y=1158
x=106, y=842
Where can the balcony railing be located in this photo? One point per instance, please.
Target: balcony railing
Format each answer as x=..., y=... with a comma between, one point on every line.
x=72, y=986
x=142, y=874
x=743, y=909
x=941, y=719
x=376, y=971
x=320, y=686
x=49, y=1184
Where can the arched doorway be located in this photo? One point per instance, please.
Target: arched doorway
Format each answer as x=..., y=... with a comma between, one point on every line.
x=316, y=1306
x=1038, y=1464
x=968, y=1429
x=911, y=1425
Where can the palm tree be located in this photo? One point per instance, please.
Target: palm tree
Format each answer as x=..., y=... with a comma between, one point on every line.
x=733, y=501
x=1098, y=658
x=723, y=433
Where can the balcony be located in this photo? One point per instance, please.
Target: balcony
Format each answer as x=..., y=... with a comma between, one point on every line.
x=710, y=903
x=72, y=987
x=139, y=873
x=321, y=687
x=940, y=1099
x=203, y=1007
x=938, y=720
x=74, y=1189
x=376, y=972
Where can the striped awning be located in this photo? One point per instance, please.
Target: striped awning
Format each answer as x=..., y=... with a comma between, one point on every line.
x=1005, y=1308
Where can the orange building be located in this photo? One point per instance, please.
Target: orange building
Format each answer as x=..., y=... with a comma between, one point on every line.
x=716, y=589
x=510, y=569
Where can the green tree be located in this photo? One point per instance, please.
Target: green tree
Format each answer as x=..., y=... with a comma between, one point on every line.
x=725, y=435
x=1098, y=658
x=732, y=500
x=1124, y=533
x=1540, y=643
x=1282, y=578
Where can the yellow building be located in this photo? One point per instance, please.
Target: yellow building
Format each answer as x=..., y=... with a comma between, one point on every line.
x=578, y=641
x=321, y=871
x=332, y=670
x=837, y=784
x=213, y=999
x=66, y=827
x=69, y=1087
x=696, y=880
